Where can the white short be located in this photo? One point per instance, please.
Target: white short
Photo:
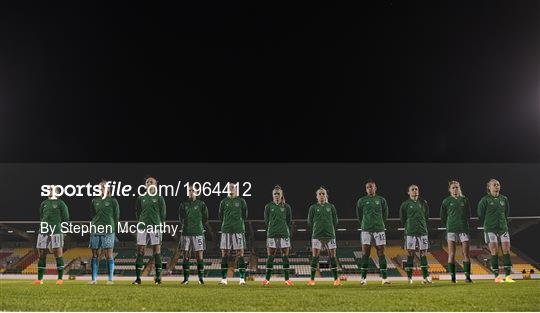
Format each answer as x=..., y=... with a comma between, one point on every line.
x=495, y=237
x=232, y=241
x=369, y=237
x=278, y=243
x=457, y=237
x=421, y=242
x=50, y=241
x=192, y=243
x=148, y=238
x=324, y=243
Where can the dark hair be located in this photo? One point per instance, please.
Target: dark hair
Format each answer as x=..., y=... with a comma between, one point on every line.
x=370, y=181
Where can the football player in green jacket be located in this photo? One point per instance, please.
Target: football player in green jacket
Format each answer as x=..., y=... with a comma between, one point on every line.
x=193, y=215
x=54, y=212
x=493, y=210
x=372, y=212
x=322, y=221
x=233, y=213
x=150, y=209
x=455, y=216
x=414, y=214
x=277, y=218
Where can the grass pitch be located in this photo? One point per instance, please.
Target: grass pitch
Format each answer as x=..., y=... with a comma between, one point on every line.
x=21, y=295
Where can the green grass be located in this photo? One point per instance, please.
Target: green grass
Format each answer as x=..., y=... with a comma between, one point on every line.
x=21, y=295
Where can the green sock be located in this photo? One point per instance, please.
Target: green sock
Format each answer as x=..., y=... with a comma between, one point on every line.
x=224, y=267
x=507, y=264
x=382, y=266
x=42, y=263
x=424, y=266
x=314, y=264
x=365, y=265
x=242, y=267
x=158, y=264
x=409, y=266
x=495, y=265
x=60, y=267
x=139, y=264
x=286, y=267
x=452, y=270
x=200, y=269
x=333, y=265
x=467, y=269
x=269, y=266
x=185, y=266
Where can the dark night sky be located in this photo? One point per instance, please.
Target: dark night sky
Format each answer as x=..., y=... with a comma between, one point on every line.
x=381, y=81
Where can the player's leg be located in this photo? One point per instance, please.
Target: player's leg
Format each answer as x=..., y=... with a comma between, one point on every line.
x=380, y=242
x=224, y=266
x=200, y=266
x=42, y=264
x=333, y=263
x=270, y=251
x=423, y=246
x=158, y=264
x=315, y=253
x=241, y=265
x=139, y=261
x=491, y=239
x=451, y=267
x=505, y=245
x=187, y=246
x=286, y=265
x=465, y=248
x=410, y=264
x=59, y=255
x=57, y=243
x=366, y=251
x=110, y=263
x=94, y=265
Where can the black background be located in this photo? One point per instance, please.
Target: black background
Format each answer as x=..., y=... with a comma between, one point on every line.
x=380, y=81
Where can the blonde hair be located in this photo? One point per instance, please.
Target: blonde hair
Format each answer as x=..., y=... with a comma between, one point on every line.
x=455, y=182
x=325, y=192
x=278, y=188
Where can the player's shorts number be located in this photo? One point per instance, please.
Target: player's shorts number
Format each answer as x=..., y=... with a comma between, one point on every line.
x=421, y=242
x=457, y=237
x=278, y=243
x=495, y=237
x=324, y=243
x=379, y=238
x=192, y=243
x=50, y=241
x=148, y=238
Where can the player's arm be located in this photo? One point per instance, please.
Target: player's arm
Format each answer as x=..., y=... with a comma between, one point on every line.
x=442, y=214
x=64, y=213
x=137, y=208
x=204, y=214
x=220, y=210
x=403, y=213
x=181, y=214
x=481, y=210
x=310, y=218
x=334, y=216
x=116, y=211
x=426, y=211
x=266, y=215
x=468, y=212
x=288, y=216
x=163, y=207
x=507, y=209
x=244, y=209
x=359, y=212
x=385, y=210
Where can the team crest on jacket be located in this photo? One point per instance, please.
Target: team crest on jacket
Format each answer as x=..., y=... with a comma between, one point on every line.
x=196, y=207
x=377, y=202
x=502, y=202
x=154, y=200
x=236, y=204
x=327, y=209
x=54, y=206
x=282, y=209
x=107, y=203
